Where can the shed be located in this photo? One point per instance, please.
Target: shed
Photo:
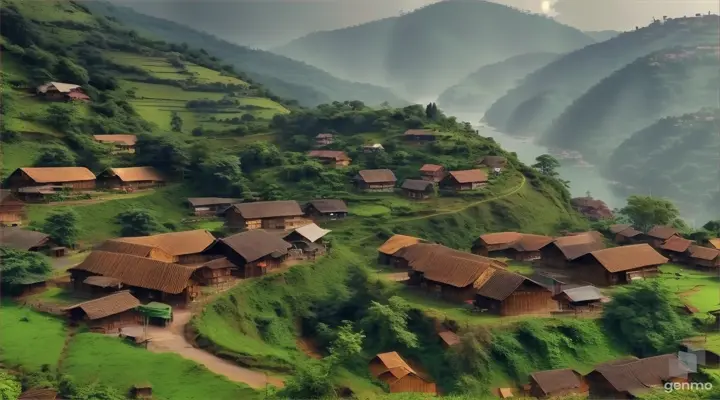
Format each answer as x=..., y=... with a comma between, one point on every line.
x=628, y=378
x=449, y=339
x=121, y=143
x=70, y=178
x=282, y=214
x=398, y=375
x=508, y=294
x=658, y=234
x=676, y=248
x=392, y=245
x=626, y=234
x=211, y=205
x=326, y=209
x=24, y=239
x=417, y=189
x=215, y=272
x=704, y=257
x=432, y=172
x=619, y=264
x=185, y=247
x=12, y=209
x=61, y=91
x=376, y=180
x=141, y=391
x=255, y=252
x=464, y=180
x=107, y=314
x=308, y=239
x=579, y=298
x=563, y=250
x=133, y=177
x=331, y=157
x=512, y=245
x=420, y=135
x=556, y=383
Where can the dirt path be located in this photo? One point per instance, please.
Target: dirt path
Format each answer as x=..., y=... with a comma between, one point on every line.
x=103, y=199
x=172, y=340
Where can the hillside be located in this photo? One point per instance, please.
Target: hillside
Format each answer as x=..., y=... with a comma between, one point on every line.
x=601, y=36
x=477, y=91
x=667, y=83
x=530, y=108
x=285, y=77
x=676, y=157
x=422, y=53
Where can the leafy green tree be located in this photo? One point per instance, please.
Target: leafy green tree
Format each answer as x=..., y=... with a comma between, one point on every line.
x=61, y=225
x=713, y=227
x=67, y=71
x=547, y=165
x=98, y=391
x=168, y=154
x=260, y=154
x=644, y=316
x=388, y=323
x=138, y=222
x=61, y=116
x=644, y=212
x=311, y=380
x=222, y=176
x=55, y=156
x=176, y=123
x=347, y=344
x=10, y=388
x=20, y=267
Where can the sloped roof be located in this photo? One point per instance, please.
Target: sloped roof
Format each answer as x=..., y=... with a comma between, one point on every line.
x=469, y=176
x=334, y=154
x=255, y=244
x=377, y=175
x=312, y=232
x=422, y=257
x=109, y=305
x=703, y=253
x=626, y=258
x=269, y=209
x=397, y=242
x=502, y=284
x=556, y=380
x=58, y=174
x=617, y=228
x=136, y=174
x=8, y=195
x=715, y=243
x=119, y=246
x=449, y=337
x=21, y=239
x=676, y=244
x=417, y=185
x=504, y=238
x=329, y=205
x=454, y=271
x=60, y=86
x=637, y=376
x=431, y=168
x=138, y=271
x=583, y=293
x=629, y=232
x=530, y=242
x=129, y=140
x=419, y=132
x=394, y=364
x=578, y=245
x=662, y=232
x=211, y=201
x=176, y=243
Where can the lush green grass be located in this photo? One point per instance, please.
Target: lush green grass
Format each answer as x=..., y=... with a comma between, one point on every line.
x=28, y=338
x=519, y=267
x=53, y=10
x=699, y=289
x=20, y=154
x=165, y=92
x=92, y=357
x=206, y=75
x=369, y=210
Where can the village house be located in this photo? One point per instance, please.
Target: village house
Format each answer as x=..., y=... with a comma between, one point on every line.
x=53, y=178
x=373, y=148
x=675, y=249
x=27, y=240
x=132, y=177
x=659, y=234
x=417, y=255
x=326, y=209
x=557, y=383
x=705, y=357
x=580, y=298
x=376, y=180
x=464, y=180
x=492, y=162
x=398, y=375
x=448, y=339
x=417, y=189
x=57, y=91
x=136, y=249
x=714, y=243
x=282, y=214
x=506, y=293
x=630, y=378
x=120, y=143
x=561, y=251
x=107, y=314
x=626, y=234
x=618, y=265
x=308, y=239
x=595, y=210
x=12, y=209
x=254, y=253
x=331, y=157
x=210, y=206
x=215, y=272
x=512, y=245
x=432, y=173
x=185, y=247
x=391, y=246
x=424, y=135
x=324, y=139
x=703, y=257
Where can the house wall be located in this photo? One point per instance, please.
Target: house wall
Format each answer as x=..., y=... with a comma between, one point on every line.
x=376, y=187
x=551, y=256
x=589, y=270
x=261, y=267
x=415, y=194
x=412, y=383
x=451, y=293
x=432, y=176
x=213, y=277
x=528, y=301
x=704, y=263
x=20, y=179
x=316, y=215
x=113, y=323
x=114, y=182
x=12, y=212
x=195, y=258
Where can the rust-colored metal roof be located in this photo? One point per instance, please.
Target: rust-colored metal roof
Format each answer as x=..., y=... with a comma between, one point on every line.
x=431, y=168
x=332, y=154
x=176, y=243
x=715, y=243
x=676, y=244
x=58, y=174
x=119, y=246
x=662, y=232
x=269, y=209
x=627, y=258
x=504, y=238
x=617, y=228
x=129, y=140
x=454, y=271
x=395, y=364
x=557, y=380
x=422, y=257
x=329, y=205
x=255, y=244
x=638, y=376
x=501, y=284
x=377, y=176
x=469, y=176
x=397, y=242
x=136, y=174
x=109, y=305
x=530, y=242
x=450, y=338
x=138, y=271
x=577, y=245
x=629, y=232
x=703, y=253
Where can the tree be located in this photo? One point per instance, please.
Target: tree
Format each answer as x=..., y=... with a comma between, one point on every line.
x=176, y=123
x=222, y=176
x=168, y=154
x=61, y=116
x=61, y=225
x=713, y=227
x=644, y=316
x=10, y=388
x=66, y=70
x=198, y=131
x=547, y=165
x=260, y=154
x=428, y=111
x=138, y=222
x=389, y=323
x=310, y=381
x=20, y=267
x=347, y=344
x=644, y=212
x=55, y=156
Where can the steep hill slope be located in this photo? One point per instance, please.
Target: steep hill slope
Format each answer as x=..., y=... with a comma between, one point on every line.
x=477, y=91
x=288, y=78
x=676, y=157
x=423, y=52
x=531, y=107
x=670, y=82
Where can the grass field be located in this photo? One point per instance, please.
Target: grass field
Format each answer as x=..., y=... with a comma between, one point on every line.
x=93, y=357
x=20, y=154
x=29, y=338
x=166, y=92
x=699, y=289
x=206, y=75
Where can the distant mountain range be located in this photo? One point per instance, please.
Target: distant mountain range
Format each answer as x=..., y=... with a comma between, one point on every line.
x=422, y=53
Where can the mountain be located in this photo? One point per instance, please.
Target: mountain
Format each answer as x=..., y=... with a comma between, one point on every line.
x=601, y=36
x=285, y=77
x=669, y=82
x=421, y=53
x=477, y=91
x=676, y=157
x=547, y=92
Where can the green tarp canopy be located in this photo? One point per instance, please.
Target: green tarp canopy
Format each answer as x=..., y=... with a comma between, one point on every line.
x=156, y=310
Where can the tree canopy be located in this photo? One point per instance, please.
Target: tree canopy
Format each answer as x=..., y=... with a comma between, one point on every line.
x=55, y=156
x=20, y=267
x=138, y=222
x=389, y=322
x=644, y=212
x=61, y=225
x=547, y=165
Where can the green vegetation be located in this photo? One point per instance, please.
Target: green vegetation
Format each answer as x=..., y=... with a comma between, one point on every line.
x=30, y=339
x=698, y=289
x=21, y=267
x=644, y=212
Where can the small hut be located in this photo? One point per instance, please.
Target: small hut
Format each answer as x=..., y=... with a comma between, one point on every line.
x=417, y=189
x=398, y=375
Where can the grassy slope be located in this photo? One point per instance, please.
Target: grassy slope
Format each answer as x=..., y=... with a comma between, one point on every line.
x=29, y=339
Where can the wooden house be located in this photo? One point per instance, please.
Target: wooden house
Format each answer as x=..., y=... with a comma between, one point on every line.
x=254, y=253
x=308, y=238
x=324, y=139
x=464, y=180
x=67, y=178
x=675, y=248
x=185, y=247
x=209, y=206
x=418, y=256
x=119, y=143
x=659, y=234
x=398, y=375
x=618, y=265
x=12, y=209
x=26, y=240
x=512, y=245
x=432, y=173
x=107, y=314
x=506, y=293
x=492, y=162
x=376, y=180
x=326, y=209
x=580, y=298
x=391, y=246
x=448, y=339
x=704, y=257
x=58, y=91
x=626, y=234
x=563, y=250
x=331, y=157
x=283, y=214
x=705, y=357
x=133, y=177
x=420, y=135
x=630, y=378
x=417, y=189
x=215, y=272
x=557, y=383
x=593, y=209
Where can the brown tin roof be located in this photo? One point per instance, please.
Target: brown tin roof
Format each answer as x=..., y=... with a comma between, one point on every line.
x=498, y=238
x=136, y=174
x=329, y=154
x=516, y=240
x=269, y=209
x=397, y=242
x=617, y=228
x=119, y=246
x=21, y=239
x=627, y=258
x=676, y=244
x=431, y=168
x=662, y=232
x=450, y=338
x=377, y=176
x=176, y=243
x=417, y=185
x=557, y=380
x=58, y=174
x=578, y=245
x=715, y=243
x=469, y=176
x=394, y=364
x=703, y=253
x=129, y=140
x=637, y=376
x=329, y=205
x=109, y=305
x=502, y=284
x=255, y=244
